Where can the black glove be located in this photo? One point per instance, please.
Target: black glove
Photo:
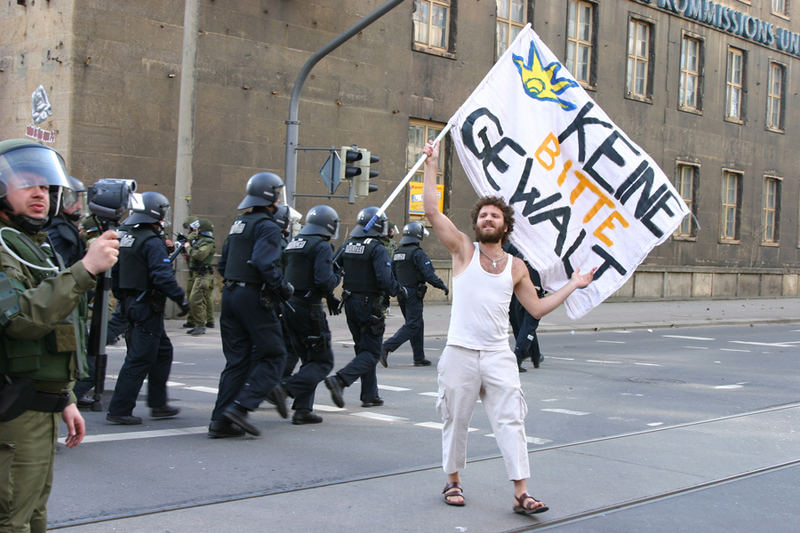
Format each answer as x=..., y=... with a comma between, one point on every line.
x=445, y=289
x=184, y=307
x=334, y=304
x=286, y=290
x=403, y=291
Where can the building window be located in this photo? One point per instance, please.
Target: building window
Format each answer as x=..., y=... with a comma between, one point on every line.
x=419, y=133
x=639, y=35
x=731, y=206
x=775, y=87
x=780, y=7
x=772, y=209
x=686, y=183
x=431, y=23
x=510, y=21
x=689, y=91
x=734, y=86
x=580, y=37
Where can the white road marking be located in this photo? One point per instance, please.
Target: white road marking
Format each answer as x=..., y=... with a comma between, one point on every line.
x=175, y=384
x=655, y=424
x=378, y=416
x=210, y=390
x=131, y=435
x=611, y=342
x=687, y=337
x=434, y=394
x=328, y=408
x=566, y=412
x=733, y=350
x=604, y=362
x=729, y=387
x=775, y=344
x=391, y=388
x=696, y=347
x=646, y=364
x=530, y=440
x=438, y=425
x=561, y=358
x=550, y=400
x=632, y=394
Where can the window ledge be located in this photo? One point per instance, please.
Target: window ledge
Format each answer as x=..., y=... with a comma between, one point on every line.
x=425, y=49
x=636, y=98
x=730, y=241
x=775, y=130
x=771, y=244
x=692, y=110
x=734, y=120
x=688, y=238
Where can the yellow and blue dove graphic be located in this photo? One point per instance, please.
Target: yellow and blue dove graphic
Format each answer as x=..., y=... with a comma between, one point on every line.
x=542, y=82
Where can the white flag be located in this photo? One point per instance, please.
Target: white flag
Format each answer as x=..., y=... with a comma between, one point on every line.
x=584, y=194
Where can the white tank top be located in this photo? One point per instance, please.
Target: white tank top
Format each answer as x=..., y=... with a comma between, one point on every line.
x=479, y=314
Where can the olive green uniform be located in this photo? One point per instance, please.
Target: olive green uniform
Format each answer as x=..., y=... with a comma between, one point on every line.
x=39, y=340
x=201, y=255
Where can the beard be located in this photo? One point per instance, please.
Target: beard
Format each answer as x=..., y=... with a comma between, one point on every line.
x=489, y=235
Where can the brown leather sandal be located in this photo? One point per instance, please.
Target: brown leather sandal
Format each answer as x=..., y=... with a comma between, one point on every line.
x=453, y=490
x=528, y=505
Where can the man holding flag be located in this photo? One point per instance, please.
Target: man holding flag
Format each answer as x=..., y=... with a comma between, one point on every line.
x=477, y=361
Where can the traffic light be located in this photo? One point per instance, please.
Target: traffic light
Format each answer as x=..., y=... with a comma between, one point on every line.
x=348, y=157
x=361, y=180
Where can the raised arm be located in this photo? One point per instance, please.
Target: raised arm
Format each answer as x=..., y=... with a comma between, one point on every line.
x=457, y=242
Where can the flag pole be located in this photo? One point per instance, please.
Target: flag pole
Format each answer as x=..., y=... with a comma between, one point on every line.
x=404, y=181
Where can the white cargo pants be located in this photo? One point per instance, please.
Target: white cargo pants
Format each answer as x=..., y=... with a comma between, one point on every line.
x=466, y=375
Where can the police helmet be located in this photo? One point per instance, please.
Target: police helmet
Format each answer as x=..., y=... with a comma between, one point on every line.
x=153, y=210
x=281, y=217
x=262, y=190
x=188, y=221
x=73, y=199
x=322, y=220
x=205, y=228
x=25, y=164
x=413, y=232
x=379, y=229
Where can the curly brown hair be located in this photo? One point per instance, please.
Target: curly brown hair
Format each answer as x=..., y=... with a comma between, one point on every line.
x=508, y=213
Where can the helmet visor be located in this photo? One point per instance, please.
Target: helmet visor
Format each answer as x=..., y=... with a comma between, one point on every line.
x=32, y=166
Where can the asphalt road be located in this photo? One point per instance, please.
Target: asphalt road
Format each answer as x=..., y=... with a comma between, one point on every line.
x=592, y=385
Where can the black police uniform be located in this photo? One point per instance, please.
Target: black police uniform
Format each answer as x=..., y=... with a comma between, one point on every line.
x=251, y=332
x=412, y=268
x=309, y=268
x=367, y=277
x=66, y=240
x=145, y=280
x=523, y=324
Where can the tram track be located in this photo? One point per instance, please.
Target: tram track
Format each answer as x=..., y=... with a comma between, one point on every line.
x=576, y=517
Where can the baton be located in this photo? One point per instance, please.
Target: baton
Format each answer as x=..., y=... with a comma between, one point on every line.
x=405, y=180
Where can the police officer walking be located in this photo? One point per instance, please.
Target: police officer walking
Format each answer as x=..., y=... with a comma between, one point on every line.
x=251, y=331
x=38, y=324
x=201, y=254
x=309, y=268
x=412, y=268
x=144, y=281
x=367, y=277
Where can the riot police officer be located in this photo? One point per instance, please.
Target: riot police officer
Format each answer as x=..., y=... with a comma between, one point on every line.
x=309, y=268
x=62, y=232
x=367, y=277
x=201, y=254
x=143, y=282
x=39, y=325
x=251, y=331
x=412, y=268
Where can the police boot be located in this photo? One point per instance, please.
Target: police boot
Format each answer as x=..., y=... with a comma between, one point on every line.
x=384, y=358
x=236, y=414
x=305, y=416
x=165, y=411
x=197, y=330
x=335, y=386
x=277, y=397
x=222, y=429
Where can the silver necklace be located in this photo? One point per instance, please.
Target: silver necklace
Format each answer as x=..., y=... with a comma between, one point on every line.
x=494, y=261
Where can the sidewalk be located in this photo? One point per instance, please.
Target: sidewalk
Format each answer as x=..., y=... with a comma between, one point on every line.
x=618, y=315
